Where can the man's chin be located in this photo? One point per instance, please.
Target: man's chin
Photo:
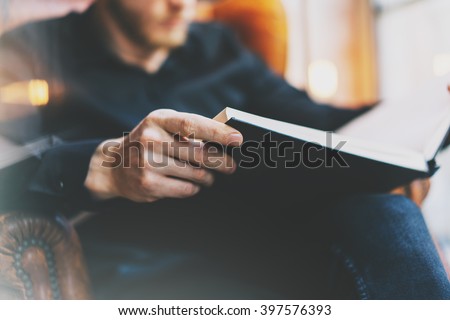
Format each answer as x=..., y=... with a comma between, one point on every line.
x=170, y=41
x=173, y=44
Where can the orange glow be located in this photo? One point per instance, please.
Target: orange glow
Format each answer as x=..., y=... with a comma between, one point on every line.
x=34, y=92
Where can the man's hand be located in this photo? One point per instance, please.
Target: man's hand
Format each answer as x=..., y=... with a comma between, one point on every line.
x=160, y=158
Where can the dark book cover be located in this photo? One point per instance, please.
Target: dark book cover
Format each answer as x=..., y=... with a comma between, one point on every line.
x=304, y=166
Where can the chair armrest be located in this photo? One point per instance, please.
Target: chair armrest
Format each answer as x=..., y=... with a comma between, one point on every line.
x=40, y=258
x=417, y=190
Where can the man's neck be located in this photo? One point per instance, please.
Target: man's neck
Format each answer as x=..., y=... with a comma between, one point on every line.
x=148, y=59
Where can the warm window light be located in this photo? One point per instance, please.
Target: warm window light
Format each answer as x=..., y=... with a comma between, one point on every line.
x=441, y=64
x=38, y=92
x=34, y=92
x=322, y=79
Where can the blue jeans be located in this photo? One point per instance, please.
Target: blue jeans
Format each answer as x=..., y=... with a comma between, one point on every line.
x=384, y=243
x=359, y=247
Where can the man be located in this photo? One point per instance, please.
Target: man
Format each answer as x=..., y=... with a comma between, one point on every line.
x=143, y=67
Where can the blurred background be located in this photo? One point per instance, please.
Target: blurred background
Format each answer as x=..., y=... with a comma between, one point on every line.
x=356, y=51
x=345, y=52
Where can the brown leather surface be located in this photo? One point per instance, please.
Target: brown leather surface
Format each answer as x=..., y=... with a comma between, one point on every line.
x=261, y=25
x=40, y=258
x=417, y=191
x=35, y=264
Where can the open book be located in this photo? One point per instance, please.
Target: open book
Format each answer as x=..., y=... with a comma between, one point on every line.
x=388, y=146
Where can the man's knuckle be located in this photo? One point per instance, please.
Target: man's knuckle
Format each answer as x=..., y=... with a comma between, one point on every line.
x=141, y=182
x=186, y=126
x=149, y=119
x=156, y=116
x=216, y=134
x=200, y=174
x=146, y=182
x=151, y=136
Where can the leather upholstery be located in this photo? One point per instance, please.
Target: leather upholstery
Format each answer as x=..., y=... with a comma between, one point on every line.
x=40, y=258
x=417, y=191
x=262, y=26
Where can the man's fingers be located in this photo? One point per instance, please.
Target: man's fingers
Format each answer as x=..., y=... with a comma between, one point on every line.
x=164, y=132
x=160, y=186
x=197, y=153
x=205, y=155
x=196, y=127
x=183, y=170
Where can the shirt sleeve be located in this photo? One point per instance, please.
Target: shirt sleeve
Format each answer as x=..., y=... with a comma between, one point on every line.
x=61, y=172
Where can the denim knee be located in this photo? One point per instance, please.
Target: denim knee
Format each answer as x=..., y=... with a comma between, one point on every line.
x=391, y=248
x=379, y=213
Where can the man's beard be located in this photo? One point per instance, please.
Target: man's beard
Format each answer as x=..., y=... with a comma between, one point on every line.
x=137, y=30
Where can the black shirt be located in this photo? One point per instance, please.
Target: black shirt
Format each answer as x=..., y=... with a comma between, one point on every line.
x=97, y=96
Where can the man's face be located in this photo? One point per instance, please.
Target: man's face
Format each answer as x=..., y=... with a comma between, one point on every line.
x=154, y=23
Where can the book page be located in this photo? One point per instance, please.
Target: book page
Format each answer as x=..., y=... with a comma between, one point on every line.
x=417, y=122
